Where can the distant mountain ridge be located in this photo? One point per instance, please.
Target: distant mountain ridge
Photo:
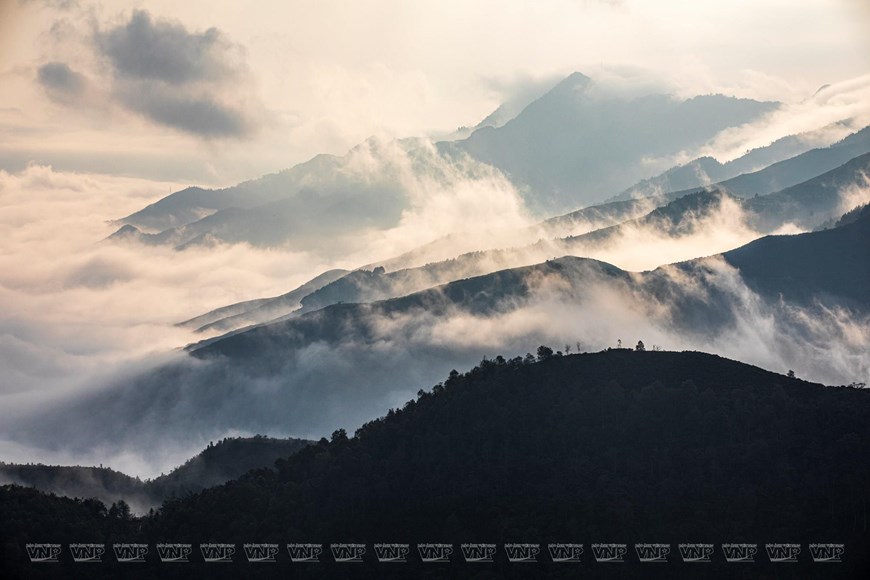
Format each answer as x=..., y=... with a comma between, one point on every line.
x=806, y=206
x=561, y=151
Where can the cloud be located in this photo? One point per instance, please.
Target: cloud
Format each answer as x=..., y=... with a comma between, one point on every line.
x=195, y=82
x=198, y=115
x=61, y=83
x=166, y=51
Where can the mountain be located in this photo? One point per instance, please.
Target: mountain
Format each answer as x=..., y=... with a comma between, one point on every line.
x=260, y=310
x=194, y=203
x=218, y=463
x=707, y=170
x=566, y=148
x=813, y=266
x=577, y=142
x=314, y=205
x=615, y=446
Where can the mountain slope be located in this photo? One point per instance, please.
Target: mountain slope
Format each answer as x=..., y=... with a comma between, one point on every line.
x=706, y=170
x=262, y=309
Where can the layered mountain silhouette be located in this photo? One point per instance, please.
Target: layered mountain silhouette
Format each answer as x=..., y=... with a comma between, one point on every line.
x=345, y=362
x=805, y=206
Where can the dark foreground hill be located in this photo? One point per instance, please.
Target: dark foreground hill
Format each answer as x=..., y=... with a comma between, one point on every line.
x=619, y=446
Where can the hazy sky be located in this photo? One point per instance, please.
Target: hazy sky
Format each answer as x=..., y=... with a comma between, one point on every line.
x=213, y=92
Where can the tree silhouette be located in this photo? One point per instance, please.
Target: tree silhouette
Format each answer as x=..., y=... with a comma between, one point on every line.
x=544, y=352
x=640, y=346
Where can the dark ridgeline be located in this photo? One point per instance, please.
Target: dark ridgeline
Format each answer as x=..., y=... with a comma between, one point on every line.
x=618, y=446
x=218, y=463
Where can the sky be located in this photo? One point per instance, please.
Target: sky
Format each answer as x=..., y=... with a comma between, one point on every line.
x=212, y=93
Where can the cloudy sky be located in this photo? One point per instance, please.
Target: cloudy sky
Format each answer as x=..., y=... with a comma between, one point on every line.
x=214, y=92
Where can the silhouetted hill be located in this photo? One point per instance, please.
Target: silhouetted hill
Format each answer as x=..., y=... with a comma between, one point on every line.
x=220, y=462
x=616, y=446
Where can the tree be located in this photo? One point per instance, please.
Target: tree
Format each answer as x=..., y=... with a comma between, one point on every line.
x=790, y=374
x=544, y=352
x=120, y=510
x=640, y=346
